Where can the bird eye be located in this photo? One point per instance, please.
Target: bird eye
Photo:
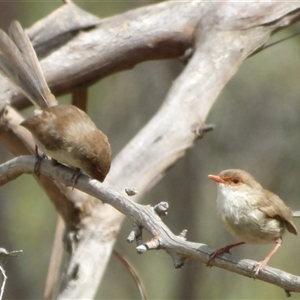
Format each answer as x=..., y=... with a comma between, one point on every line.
x=235, y=181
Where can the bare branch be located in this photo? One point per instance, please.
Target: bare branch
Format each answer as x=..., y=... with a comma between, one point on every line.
x=3, y=282
x=120, y=42
x=222, y=35
x=55, y=260
x=147, y=218
x=4, y=252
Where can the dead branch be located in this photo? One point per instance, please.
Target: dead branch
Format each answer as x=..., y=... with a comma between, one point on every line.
x=146, y=217
x=222, y=35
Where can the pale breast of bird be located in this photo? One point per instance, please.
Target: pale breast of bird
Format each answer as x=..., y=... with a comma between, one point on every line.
x=243, y=225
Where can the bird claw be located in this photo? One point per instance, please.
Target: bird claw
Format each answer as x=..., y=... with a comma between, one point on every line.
x=216, y=253
x=222, y=250
x=75, y=177
x=258, y=266
x=39, y=159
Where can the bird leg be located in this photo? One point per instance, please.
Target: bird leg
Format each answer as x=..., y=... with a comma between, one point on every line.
x=39, y=159
x=75, y=177
x=258, y=266
x=221, y=251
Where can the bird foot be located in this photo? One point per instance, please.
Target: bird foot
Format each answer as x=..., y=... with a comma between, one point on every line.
x=39, y=159
x=258, y=266
x=220, y=251
x=75, y=177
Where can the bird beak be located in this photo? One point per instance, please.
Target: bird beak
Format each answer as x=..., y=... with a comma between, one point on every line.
x=216, y=178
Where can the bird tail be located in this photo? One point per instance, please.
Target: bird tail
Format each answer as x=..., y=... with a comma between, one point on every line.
x=19, y=63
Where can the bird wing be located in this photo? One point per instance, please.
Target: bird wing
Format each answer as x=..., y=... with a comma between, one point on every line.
x=274, y=207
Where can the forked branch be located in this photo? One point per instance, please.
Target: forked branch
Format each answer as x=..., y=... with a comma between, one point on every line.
x=222, y=35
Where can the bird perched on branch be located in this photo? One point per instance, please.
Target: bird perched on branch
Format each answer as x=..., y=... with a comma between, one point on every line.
x=64, y=132
x=251, y=213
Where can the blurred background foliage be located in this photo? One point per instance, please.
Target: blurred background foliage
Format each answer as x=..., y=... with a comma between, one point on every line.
x=257, y=129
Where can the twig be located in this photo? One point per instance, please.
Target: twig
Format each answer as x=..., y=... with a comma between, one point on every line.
x=4, y=252
x=133, y=273
x=55, y=260
x=3, y=283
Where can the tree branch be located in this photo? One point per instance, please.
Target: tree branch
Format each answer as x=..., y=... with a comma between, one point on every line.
x=146, y=217
x=223, y=35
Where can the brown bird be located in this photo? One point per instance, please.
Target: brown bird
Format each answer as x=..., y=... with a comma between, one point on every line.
x=252, y=214
x=64, y=132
